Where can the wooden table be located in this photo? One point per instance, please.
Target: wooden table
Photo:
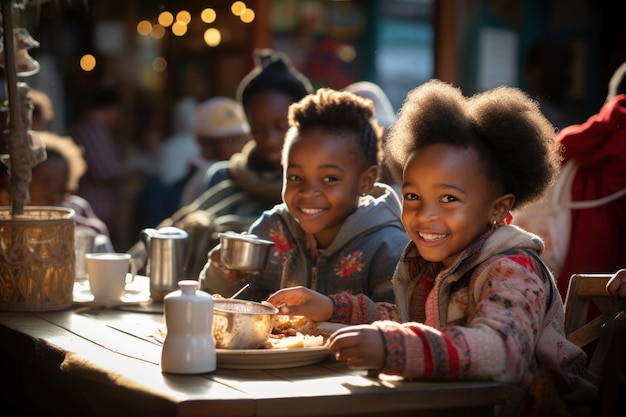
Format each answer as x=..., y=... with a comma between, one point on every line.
x=104, y=362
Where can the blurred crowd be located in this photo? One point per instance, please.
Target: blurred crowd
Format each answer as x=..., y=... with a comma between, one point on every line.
x=125, y=193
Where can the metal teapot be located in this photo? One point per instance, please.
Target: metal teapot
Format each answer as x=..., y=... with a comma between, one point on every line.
x=167, y=250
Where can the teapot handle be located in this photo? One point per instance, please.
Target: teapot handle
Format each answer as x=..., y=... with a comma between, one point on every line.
x=146, y=235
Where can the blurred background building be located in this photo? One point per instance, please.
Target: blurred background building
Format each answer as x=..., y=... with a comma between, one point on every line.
x=155, y=52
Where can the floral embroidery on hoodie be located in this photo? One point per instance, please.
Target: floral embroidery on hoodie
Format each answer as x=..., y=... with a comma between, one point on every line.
x=350, y=264
x=282, y=244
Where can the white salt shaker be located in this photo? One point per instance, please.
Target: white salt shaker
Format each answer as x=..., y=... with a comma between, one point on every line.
x=189, y=347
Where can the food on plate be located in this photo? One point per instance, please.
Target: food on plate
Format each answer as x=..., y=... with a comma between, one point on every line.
x=294, y=332
x=290, y=325
x=299, y=340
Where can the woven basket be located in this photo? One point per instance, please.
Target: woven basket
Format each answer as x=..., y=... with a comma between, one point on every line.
x=36, y=259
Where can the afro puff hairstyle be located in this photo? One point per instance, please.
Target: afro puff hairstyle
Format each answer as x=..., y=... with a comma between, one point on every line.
x=513, y=139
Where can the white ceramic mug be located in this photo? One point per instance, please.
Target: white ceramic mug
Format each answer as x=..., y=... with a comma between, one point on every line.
x=108, y=274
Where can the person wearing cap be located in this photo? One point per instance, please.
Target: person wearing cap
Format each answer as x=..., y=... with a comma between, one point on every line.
x=203, y=134
x=221, y=130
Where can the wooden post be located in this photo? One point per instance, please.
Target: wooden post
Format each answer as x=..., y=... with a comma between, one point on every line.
x=24, y=152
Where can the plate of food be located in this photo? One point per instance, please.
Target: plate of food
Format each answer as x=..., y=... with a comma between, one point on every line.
x=270, y=358
x=295, y=341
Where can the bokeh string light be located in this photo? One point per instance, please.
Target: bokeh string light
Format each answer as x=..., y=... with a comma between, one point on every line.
x=178, y=25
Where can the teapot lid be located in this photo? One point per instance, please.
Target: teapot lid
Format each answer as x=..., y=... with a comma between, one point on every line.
x=171, y=232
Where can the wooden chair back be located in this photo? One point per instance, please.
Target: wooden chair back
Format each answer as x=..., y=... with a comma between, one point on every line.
x=608, y=330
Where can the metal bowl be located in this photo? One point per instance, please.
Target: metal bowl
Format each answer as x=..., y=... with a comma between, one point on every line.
x=244, y=252
x=241, y=324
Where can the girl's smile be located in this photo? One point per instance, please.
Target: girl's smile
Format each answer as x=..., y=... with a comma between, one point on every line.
x=432, y=237
x=311, y=212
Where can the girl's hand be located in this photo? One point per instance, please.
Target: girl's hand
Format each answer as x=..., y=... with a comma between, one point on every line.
x=363, y=346
x=616, y=287
x=230, y=275
x=302, y=301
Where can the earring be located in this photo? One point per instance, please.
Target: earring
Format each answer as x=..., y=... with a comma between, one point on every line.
x=493, y=225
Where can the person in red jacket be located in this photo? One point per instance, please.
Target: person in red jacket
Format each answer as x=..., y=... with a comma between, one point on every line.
x=598, y=242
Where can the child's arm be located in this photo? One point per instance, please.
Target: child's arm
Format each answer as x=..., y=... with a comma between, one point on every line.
x=500, y=340
x=342, y=307
x=302, y=301
x=360, y=309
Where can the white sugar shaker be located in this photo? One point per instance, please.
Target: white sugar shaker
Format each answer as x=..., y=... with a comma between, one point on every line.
x=189, y=347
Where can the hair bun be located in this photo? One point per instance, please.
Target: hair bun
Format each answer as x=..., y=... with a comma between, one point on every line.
x=273, y=72
x=265, y=57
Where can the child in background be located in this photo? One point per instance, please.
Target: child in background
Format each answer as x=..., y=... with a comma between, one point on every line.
x=476, y=301
x=338, y=231
x=55, y=180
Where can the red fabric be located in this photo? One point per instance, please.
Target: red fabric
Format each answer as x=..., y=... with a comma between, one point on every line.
x=429, y=365
x=453, y=359
x=598, y=238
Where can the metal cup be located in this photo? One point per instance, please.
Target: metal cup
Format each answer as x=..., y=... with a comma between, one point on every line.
x=167, y=249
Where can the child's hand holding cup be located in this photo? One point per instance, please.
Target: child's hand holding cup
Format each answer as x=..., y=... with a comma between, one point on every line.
x=108, y=275
x=230, y=275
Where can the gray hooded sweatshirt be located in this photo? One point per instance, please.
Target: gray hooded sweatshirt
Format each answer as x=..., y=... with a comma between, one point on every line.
x=360, y=260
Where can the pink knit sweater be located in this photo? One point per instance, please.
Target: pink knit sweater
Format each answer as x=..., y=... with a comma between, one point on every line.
x=495, y=314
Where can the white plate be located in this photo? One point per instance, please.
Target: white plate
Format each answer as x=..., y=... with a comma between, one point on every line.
x=137, y=292
x=270, y=358
x=328, y=327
